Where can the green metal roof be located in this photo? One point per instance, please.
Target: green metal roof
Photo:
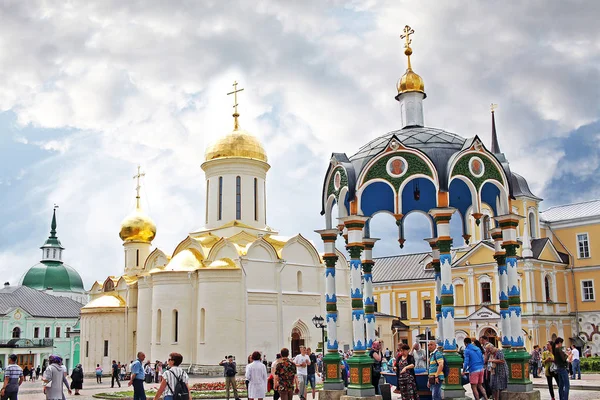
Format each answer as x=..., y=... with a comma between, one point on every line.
x=55, y=275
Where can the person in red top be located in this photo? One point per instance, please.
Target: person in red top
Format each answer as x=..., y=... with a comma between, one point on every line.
x=285, y=379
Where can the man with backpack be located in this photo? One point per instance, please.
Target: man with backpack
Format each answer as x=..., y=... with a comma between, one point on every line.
x=230, y=371
x=175, y=380
x=436, y=370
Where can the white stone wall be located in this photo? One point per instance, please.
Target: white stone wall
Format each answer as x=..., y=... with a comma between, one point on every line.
x=95, y=329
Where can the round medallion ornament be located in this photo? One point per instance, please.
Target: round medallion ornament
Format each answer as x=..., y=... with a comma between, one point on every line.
x=18, y=315
x=396, y=167
x=337, y=181
x=476, y=167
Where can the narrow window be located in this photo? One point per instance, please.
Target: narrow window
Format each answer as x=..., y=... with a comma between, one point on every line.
x=158, y=325
x=220, y=208
x=137, y=258
x=238, y=197
x=532, y=230
x=403, y=310
x=207, y=197
x=583, y=245
x=47, y=253
x=486, y=292
x=87, y=349
x=106, y=348
x=58, y=331
x=16, y=333
x=175, y=326
x=547, y=288
x=375, y=306
x=47, y=332
x=588, y=290
x=36, y=332
x=255, y=199
x=68, y=332
x=426, y=309
x=202, y=325
x=299, y=280
x=486, y=227
x=54, y=253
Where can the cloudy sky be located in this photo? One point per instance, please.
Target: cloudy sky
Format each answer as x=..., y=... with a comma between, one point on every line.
x=89, y=90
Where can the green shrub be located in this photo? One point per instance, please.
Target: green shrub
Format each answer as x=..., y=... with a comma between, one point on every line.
x=590, y=364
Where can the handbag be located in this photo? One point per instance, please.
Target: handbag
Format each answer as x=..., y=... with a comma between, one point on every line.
x=553, y=368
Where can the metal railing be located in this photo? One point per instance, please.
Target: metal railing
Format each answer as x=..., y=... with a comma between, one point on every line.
x=14, y=343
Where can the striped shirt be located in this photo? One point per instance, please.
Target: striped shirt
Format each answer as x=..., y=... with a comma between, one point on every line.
x=171, y=376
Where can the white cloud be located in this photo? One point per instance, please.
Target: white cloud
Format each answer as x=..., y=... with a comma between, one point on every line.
x=145, y=84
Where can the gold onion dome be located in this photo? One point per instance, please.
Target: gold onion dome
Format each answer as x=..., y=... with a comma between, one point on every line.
x=137, y=227
x=238, y=143
x=410, y=81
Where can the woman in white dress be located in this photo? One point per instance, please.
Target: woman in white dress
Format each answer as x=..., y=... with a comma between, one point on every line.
x=256, y=375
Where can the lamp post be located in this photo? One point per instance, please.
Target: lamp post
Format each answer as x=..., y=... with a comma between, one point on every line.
x=319, y=323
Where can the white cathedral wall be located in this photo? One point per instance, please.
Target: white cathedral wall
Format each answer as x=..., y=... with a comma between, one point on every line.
x=222, y=331
x=95, y=329
x=144, y=315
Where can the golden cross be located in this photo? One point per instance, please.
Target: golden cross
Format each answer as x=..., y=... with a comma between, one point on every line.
x=235, y=105
x=138, y=186
x=493, y=107
x=406, y=35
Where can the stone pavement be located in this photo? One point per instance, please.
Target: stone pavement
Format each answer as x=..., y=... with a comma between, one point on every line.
x=587, y=388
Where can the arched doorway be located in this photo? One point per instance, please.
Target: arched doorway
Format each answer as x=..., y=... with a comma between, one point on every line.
x=491, y=334
x=297, y=341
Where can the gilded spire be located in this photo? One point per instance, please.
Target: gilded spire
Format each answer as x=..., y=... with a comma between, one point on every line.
x=495, y=145
x=138, y=186
x=410, y=81
x=407, y=50
x=235, y=114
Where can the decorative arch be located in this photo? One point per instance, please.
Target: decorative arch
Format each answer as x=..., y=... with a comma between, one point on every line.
x=261, y=243
x=332, y=183
x=301, y=241
x=156, y=259
x=189, y=243
x=458, y=187
x=425, y=199
x=377, y=195
x=16, y=332
x=532, y=224
x=547, y=285
x=429, y=219
x=331, y=201
x=302, y=329
x=495, y=195
x=222, y=249
x=109, y=285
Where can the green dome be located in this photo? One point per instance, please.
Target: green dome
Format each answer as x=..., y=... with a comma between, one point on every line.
x=55, y=275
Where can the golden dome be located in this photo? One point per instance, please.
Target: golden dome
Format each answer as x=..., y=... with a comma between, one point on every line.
x=238, y=143
x=411, y=82
x=137, y=227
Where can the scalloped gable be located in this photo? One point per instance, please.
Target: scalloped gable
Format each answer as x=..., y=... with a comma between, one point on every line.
x=156, y=259
x=196, y=244
x=261, y=249
x=223, y=249
x=481, y=253
x=311, y=257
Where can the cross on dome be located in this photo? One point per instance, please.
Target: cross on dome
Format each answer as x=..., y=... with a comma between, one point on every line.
x=138, y=186
x=235, y=114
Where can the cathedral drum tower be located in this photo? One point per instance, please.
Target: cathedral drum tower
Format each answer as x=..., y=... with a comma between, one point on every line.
x=443, y=176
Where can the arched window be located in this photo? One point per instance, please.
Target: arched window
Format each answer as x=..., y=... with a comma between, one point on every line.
x=486, y=227
x=202, y=325
x=16, y=333
x=137, y=257
x=238, y=197
x=532, y=230
x=220, y=206
x=158, y=325
x=47, y=253
x=255, y=199
x=486, y=292
x=175, y=326
x=547, y=288
x=299, y=280
x=207, y=194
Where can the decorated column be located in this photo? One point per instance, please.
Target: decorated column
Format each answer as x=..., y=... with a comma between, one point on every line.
x=500, y=256
x=452, y=383
x=360, y=363
x=331, y=359
x=518, y=358
x=367, y=266
x=435, y=263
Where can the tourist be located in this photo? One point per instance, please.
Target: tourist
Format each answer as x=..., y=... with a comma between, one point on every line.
x=302, y=362
x=229, y=372
x=587, y=352
x=148, y=373
x=285, y=376
x=31, y=373
x=405, y=373
x=123, y=371
x=25, y=373
x=377, y=357
x=256, y=375
x=161, y=368
x=575, y=363
x=420, y=357
x=311, y=371
x=344, y=367
x=499, y=373
x=547, y=361
x=77, y=379
x=98, y=373
x=436, y=371
x=474, y=366
x=156, y=371
x=562, y=365
x=534, y=361
x=484, y=345
x=272, y=377
x=38, y=372
x=13, y=378
x=54, y=378
x=173, y=376
x=115, y=374
x=388, y=353
x=137, y=377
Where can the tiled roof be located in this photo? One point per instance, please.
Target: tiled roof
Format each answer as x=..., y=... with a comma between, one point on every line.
x=401, y=268
x=36, y=303
x=571, y=211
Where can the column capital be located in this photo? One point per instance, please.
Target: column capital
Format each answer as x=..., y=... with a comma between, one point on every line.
x=353, y=222
x=433, y=243
x=369, y=243
x=442, y=215
x=328, y=235
x=508, y=221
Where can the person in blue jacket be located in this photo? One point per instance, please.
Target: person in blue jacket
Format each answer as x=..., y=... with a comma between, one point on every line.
x=474, y=366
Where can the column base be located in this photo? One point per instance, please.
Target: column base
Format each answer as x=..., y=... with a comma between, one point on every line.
x=360, y=376
x=530, y=395
x=327, y=394
x=334, y=386
x=332, y=377
x=520, y=387
x=518, y=370
x=452, y=387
